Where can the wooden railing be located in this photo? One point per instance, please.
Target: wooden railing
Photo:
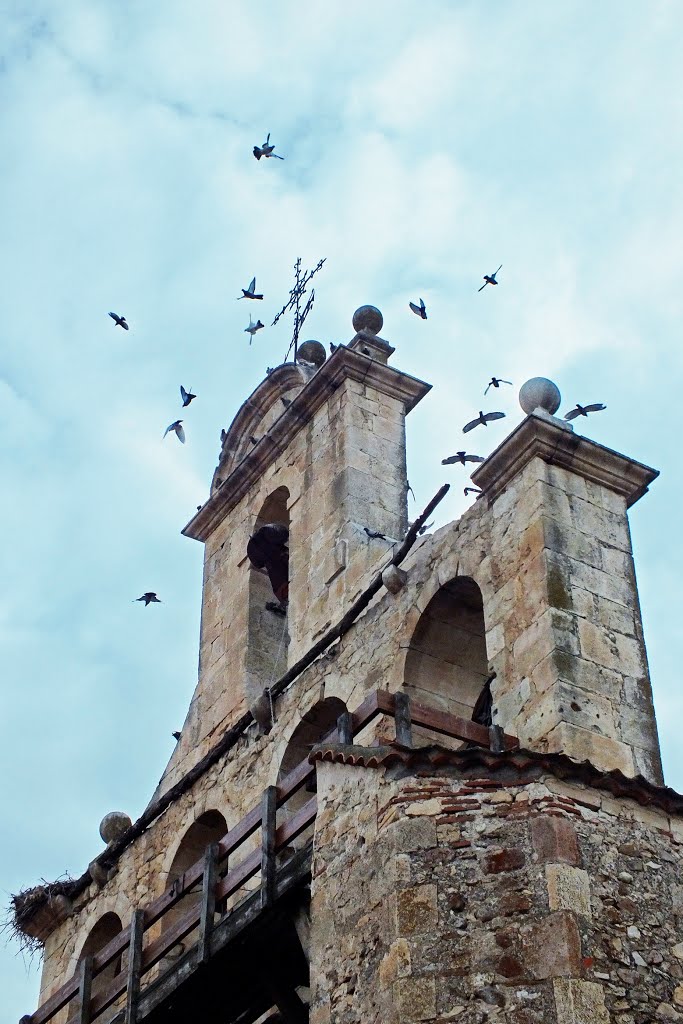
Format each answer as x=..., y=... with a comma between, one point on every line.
x=220, y=881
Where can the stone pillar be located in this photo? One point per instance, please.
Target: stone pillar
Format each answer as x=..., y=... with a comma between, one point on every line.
x=564, y=627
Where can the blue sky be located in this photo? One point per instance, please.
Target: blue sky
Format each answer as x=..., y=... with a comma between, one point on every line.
x=425, y=144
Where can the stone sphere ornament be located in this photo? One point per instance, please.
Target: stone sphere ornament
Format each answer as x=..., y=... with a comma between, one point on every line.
x=113, y=825
x=368, y=318
x=539, y=392
x=312, y=352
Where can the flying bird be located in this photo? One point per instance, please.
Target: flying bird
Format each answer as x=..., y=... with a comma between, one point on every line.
x=472, y=490
x=176, y=735
x=484, y=419
x=253, y=328
x=177, y=426
x=266, y=150
x=462, y=458
x=120, y=321
x=419, y=310
x=583, y=410
x=489, y=279
x=495, y=382
x=186, y=396
x=250, y=292
x=149, y=598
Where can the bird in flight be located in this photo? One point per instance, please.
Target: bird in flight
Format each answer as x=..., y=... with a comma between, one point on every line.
x=583, y=410
x=484, y=419
x=489, y=279
x=177, y=426
x=473, y=490
x=266, y=150
x=419, y=310
x=462, y=458
x=120, y=321
x=253, y=328
x=149, y=598
x=250, y=292
x=186, y=396
x=495, y=382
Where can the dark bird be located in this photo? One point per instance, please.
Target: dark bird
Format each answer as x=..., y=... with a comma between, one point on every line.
x=484, y=419
x=462, y=458
x=250, y=292
x=583, y=410
x=495, y=382
x=374, y=534
x=254, y=440
x=419, y=310
x=266, y=150
x=285, y=401
x=186, y=396
x=149, y=598
x=333, y=347
x=120, y=321
x=472, y=490
x=177, y=426
x=224, y=437
x=199, y=508
x=176, y=735
x=253, y=328
x=427, y=526
x=489, y=279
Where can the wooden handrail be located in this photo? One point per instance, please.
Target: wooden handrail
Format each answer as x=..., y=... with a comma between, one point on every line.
x=407, y=713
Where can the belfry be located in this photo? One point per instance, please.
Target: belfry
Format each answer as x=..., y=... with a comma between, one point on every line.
x=419, y=778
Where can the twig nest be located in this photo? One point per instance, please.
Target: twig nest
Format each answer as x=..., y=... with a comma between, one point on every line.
x=394, y=579
x=539, y=393
x=368, y=318
x=113, y=825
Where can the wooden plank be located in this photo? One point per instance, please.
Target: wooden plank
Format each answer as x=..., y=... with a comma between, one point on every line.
x=137, y=931
x=345, y=728
x=85, y=990
x=208, y=906
x=268, y=825
x=293, y=1010
x=496, y=739
x=238, y=876
x=304, y=817
x=402, y=719
x=453, y=725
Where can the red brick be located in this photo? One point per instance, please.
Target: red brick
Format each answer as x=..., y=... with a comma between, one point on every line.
x=554, y=840
x=506, y=860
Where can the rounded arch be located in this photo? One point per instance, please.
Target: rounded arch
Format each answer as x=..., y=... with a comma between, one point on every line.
x=208, y=828
x=102, y=932
x=446, y=663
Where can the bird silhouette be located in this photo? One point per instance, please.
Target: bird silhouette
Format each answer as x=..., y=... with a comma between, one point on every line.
x=375, y=534
x=495, y=382
x=176, y=735
x=224, y=437
x=583, y=410
x=177, y=426
x=266, y=150
x=254, y=440
x=472, y=490
x=333, y=347
x=253, y=328
x=285, y=401
x=186, y=396
x=484, y=419
x=149, y=598
x=250, y=292
x=489, y=279
x=419, y=310
x=120, y=321
x=462, y=458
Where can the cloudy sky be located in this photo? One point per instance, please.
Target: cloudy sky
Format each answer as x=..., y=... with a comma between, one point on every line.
x=425, y=144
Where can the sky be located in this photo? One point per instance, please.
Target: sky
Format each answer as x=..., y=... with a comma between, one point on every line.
x=425, y=145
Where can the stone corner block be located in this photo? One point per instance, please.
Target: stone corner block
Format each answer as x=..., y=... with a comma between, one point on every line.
x=554, y=840
x=568, y=889
x=415, y=999
x=579, y=1002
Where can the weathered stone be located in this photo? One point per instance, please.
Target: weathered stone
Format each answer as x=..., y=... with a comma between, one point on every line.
x=579, y=1002
x=416, y=909
x=552, y=947
x=504, y=860
x=415, y=998
x=568, y=889
x=554, y=840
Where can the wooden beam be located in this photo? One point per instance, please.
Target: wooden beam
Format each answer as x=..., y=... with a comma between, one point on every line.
x=208, y=902
x=404, y=731
x=268, y=826
x=293, y=1010
x=496, y=739
x=137, y=931
x=85, y=990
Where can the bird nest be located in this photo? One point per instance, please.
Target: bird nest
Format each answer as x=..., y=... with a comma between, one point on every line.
x=33, y=913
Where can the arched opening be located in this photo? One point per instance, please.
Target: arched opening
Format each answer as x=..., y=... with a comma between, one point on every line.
x=446, y=665
x=106, y=929
x=208, y=828
x=268, y=636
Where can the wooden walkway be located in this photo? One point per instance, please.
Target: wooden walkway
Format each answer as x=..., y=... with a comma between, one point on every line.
x=220, y=880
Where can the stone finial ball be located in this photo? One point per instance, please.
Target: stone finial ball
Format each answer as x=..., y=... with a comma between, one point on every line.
x=312, y=352
x=539, y=391
x=368, y=318
x=113, y=825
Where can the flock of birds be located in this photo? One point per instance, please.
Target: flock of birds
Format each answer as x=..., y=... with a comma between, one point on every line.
x=267, y=151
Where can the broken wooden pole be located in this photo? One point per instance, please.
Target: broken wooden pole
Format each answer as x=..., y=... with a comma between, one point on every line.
x=268, y=814
x=402, y=719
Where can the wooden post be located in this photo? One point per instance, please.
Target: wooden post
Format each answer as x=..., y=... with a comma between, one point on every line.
x=404, y=729
x=268, y=810
x=496, y=739
x=137, y=929
x=85, y=990
x=208, y=901
x=345, y=728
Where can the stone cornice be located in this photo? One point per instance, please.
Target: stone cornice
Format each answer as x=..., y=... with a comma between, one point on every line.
x=343, y=364
x=538, y=436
